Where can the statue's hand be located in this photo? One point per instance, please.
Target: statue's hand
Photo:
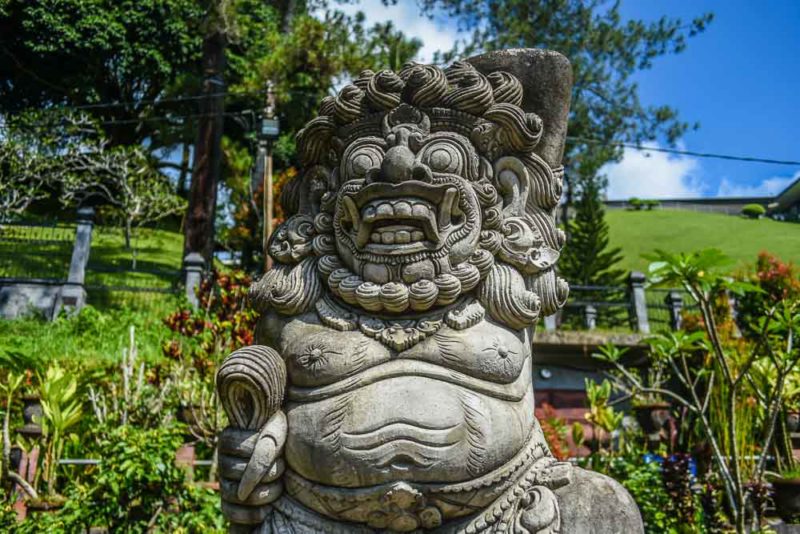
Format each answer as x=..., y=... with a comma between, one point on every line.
x=251, y=466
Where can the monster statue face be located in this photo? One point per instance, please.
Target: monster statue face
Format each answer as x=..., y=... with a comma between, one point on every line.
x=407, y=211
x=421, y=187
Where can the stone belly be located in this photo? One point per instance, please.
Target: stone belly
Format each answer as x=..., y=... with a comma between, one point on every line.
x=409, y=428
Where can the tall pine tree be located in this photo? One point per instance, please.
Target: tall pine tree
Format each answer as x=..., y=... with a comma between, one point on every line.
x=587, y=259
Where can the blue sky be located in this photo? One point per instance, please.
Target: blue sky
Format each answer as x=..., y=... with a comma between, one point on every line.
x=740, y=80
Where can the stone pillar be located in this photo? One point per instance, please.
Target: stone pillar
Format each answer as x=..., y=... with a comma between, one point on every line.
x=636, y=282
x=550, y=322
x=674, y=301
x=73, y=294
x=193, y=266
x=590, y=317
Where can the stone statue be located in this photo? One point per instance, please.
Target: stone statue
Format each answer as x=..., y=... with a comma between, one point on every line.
x=391, y=390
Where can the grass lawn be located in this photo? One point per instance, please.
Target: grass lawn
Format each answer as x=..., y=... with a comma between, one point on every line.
x=92, y=336
x=45, y=252
x=157, y=255
x=154, y=248
x=640, y=232
x=101, y=331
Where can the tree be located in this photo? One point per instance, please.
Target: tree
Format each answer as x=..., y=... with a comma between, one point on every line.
x=23, y=178
x=122, y=178
x=588, y=260
x=605, y=51
x=31, y=159
x=83, y=52
x=199, y=227
x=305, y=62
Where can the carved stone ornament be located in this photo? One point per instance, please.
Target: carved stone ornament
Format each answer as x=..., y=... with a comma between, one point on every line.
x=391, y=390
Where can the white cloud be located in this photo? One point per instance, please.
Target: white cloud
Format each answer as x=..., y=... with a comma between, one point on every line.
x=767, y=187
x=653, y=175
x=406, y=16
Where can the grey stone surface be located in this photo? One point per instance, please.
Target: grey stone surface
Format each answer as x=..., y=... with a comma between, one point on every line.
x=193, y=266
x=46, y=297
x=73, y=294
x=392, y=387
x=18, y=299
x=596, y=504
x=546, y=77
x=636, y=281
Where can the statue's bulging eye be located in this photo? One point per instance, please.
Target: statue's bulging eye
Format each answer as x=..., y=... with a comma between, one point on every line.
x=359, y=159
x=444, y=157
x=361, y=164
x=440, y=160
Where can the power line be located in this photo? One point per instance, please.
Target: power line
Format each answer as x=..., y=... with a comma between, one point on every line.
x=155, y=102
x=177, y=117
x=140, y=120
x=159, y=101
x=729, y=157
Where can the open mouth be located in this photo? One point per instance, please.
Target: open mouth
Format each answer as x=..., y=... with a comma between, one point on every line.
x=391, y=219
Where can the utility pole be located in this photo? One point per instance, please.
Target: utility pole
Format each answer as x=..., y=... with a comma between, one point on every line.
x=270, y=128
x=199, y=225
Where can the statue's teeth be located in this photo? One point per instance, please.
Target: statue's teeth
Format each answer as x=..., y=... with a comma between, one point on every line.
x=420, y=210
x=402, y=209
x=384, y=210
x=388, y=236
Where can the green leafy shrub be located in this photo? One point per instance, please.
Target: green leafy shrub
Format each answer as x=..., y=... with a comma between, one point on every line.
x=8, y=517
x=62, y=411
x=651, y=204
x=136, y=488
x=777, y=280
x=753, y=211
x=635, y=203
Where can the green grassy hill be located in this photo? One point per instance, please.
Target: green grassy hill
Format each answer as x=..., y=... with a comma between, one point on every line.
x=640, y=232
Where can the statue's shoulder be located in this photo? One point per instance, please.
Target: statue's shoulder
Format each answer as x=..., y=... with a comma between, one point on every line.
x=273, y=328
x=593, y=503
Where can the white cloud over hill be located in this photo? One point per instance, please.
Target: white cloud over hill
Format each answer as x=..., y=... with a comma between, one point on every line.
x=653, y=175
x=767, y=187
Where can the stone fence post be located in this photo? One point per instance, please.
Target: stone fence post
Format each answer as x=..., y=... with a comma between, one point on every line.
x=636, y=282
x=193, y=266
x=73, y=294
x=674, y=301
x=590, y=317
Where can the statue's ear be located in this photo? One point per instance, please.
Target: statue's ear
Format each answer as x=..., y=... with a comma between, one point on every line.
x=313, y=184
x=513, y=183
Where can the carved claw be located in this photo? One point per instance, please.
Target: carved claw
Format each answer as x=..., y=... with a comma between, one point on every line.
x=267, y=449
x=251, y=468
x=251, y=385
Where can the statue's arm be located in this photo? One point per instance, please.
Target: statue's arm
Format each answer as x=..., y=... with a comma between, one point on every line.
x=251, y=384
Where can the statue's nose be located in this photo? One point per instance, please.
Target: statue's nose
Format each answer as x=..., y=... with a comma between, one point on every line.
x=397, y=166
x=399, y=162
